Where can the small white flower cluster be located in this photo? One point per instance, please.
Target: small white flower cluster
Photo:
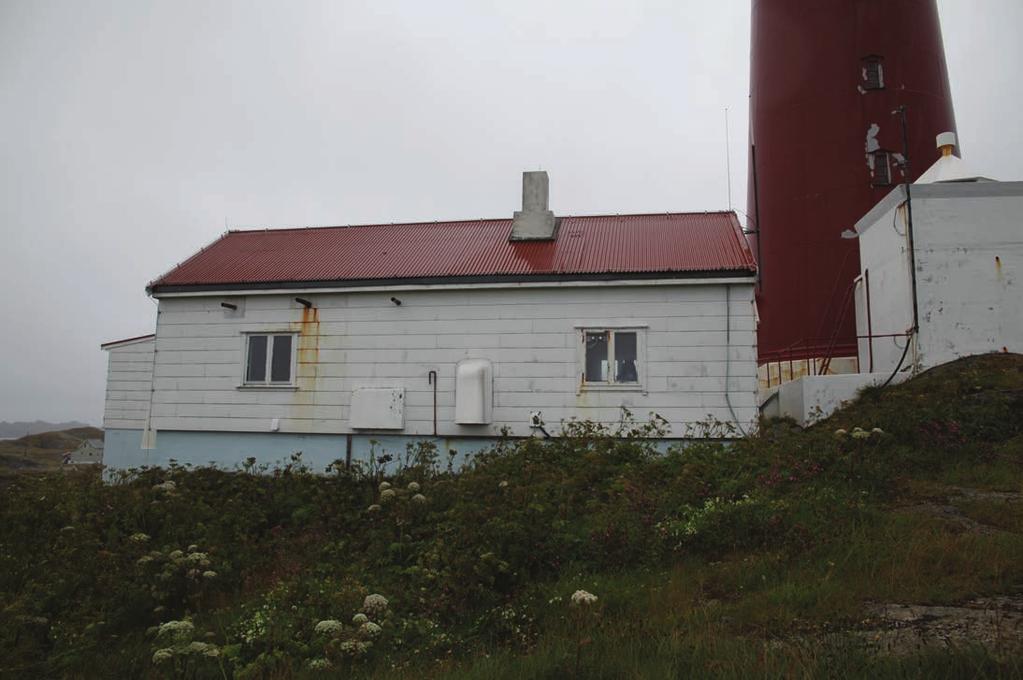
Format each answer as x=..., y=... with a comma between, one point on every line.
x=375, y=605
x=859, y=433
x=503, y=484
x=167, y=487
x=329, y=627
x=179, y=634
x=360, y=641
x=370, y=629
x=178, y=631
x=203, y=648
x=388, y=494
x=581, y=598
x=319, y=664
x=139, y=537
x=163, y=655
x=354, y=647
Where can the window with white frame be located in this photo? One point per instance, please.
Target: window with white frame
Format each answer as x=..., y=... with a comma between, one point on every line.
x=269, y=359
x=612, y=357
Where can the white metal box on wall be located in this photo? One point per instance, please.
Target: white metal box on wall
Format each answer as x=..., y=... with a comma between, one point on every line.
x=474, y=392
x=378, y=408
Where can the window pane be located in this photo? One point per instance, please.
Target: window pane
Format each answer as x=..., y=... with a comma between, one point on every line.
x=280, y=362
x=625, y=358
x=596, y=357
x=255, y=369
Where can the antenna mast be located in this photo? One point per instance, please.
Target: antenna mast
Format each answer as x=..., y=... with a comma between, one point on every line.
x=728, y=162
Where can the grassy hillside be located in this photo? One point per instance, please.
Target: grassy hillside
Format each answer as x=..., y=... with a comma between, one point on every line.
x=42, y=452
x=892, y=550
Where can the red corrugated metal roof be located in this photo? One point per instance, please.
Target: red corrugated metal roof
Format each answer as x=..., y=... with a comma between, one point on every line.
x=672, y=243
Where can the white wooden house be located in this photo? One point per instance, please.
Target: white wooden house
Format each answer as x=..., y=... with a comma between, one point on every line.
x=346, y=342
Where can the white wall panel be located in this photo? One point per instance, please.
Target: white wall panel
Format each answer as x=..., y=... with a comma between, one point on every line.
x=530, y=335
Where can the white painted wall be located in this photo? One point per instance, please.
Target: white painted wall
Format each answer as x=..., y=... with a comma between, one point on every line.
x=361, y=339
x=129, y=379
x=969, y=261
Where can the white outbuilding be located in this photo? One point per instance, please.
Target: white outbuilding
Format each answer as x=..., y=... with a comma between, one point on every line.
x=955, y=273
x=941, y=270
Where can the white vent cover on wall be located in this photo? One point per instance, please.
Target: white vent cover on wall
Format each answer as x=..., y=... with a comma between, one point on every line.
x=378, y=408
x=474, y=392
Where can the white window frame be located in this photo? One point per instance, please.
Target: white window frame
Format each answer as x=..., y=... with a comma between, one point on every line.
x=266, y=384
x=640, y=330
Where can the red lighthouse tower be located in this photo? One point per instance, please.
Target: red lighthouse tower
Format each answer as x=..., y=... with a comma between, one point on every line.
x=826, y=77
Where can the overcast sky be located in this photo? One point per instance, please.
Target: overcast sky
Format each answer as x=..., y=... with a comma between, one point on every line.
x=132, y=133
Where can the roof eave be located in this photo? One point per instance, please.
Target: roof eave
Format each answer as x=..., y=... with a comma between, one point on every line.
x=156, y=290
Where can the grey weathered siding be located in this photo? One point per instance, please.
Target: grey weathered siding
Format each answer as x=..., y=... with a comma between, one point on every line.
x=361, y=339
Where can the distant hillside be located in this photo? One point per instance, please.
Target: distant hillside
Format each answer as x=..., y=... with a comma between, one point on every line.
x=22, y=428
x=62, y=441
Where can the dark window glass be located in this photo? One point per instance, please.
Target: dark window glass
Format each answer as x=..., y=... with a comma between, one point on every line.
x=596, y=357
x=625, y=358
x=873, y=74
x=882, y=169
x=280, y=361
x=255, y=368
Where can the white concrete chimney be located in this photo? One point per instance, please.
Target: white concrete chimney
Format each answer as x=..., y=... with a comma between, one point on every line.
x=535, y=221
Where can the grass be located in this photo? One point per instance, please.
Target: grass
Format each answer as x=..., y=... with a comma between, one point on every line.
x=760, y=559
x=41, y=452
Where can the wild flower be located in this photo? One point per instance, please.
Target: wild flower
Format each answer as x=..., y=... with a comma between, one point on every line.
x=413, y=487
x=373, y=508
x=387, y=495
x=163, y=655
x=175, y=554
x=203, y=648
x=877, y=430
x=179, y=631
x=202, y=559
x=319, y=664
x=581, y=598
x=370, y=629
x=193, y=548
x=503, y=484
x=840, y=433
x=360, y=619
x=419, y=498
x=329, y=627
x=355, y=647
x=167, y=486
x=375, y=605
x=144, y=560
x=384, y=486
x=138, y=537
x=860, y=433
x=209, y=574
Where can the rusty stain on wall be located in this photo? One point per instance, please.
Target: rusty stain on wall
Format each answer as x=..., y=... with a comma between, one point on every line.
x=307, y=360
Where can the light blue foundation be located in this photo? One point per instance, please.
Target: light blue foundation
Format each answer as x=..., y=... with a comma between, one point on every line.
x=122, y=448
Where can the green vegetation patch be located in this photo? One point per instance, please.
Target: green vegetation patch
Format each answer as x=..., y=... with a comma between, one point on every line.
x=590, y=555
